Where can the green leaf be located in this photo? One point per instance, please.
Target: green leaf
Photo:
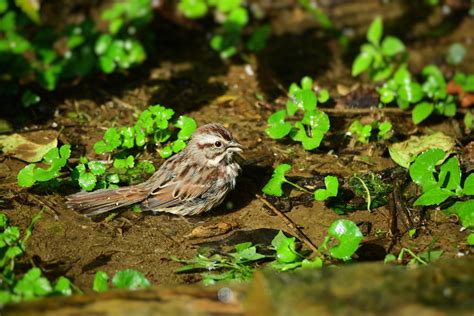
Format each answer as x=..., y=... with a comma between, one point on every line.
x=193, y=9
x=309, y=143
x=258, y=39
x=306, y=83
x=450, y=175
x=386, y=95
x=187, y=127
x=32, y=285
x=411, y=92
x=285, y=248
x=273, y=187
x=102, y=44
x=178, y=145
x=361, y=63
x=87, y=181
x=469, y=185
x=101, y=282
x=465, y=211
x=332, y=186
x=422, y=111
x=323, y=96
x=349, y=237
x=107, y=64
x=392, y=46
x=278, y=127
x=26, y=176
x=63, y=286
x=166, y=152
x=305, y=99
x=421, y=171
x=30, y=8
x=374, y=34
x=97, y=168
x=317, y=263
x=130, y=279
x=470, y=239
x=29, y=98
x=237, y=17
x=433, y=196
x=128, y=134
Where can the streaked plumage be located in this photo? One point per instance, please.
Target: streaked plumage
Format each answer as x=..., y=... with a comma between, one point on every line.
x=191, y=182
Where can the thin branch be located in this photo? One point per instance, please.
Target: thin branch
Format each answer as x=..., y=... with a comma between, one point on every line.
x=290, y=224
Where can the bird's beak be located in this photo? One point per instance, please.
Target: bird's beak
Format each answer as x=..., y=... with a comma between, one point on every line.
x=235, y=146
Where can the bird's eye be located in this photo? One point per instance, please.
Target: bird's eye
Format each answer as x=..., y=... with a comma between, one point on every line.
x=218, y=144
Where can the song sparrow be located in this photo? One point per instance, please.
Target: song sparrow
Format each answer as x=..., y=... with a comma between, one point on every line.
x=191, y=182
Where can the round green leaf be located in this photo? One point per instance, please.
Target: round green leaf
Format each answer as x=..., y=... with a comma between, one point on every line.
x=130, y=279
x=361, y=63
x=26, y=176
x=101, y=282
x=392, y=46
x=421, y=112
x=349, y=237
x=374, y=34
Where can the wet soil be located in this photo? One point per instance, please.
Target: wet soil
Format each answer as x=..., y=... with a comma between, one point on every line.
x=186, y=75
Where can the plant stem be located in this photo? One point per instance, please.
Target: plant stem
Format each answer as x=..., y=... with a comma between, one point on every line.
x=411, y=253
x=298, y=187
x=369, y=199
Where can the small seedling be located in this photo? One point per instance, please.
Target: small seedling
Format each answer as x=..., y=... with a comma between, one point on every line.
x=55, y=158
x=314, y=125
x=125, y=279
x=274, y=186
x=364, y=132
x=332, y=186
x=240, y=265
x=439, y=186
x=234, y=17
x=152, y=125
x=378, y=57
x=32, y=284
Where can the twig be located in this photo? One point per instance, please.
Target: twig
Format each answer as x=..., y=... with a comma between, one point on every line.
x=46, y=205
x=290, y=224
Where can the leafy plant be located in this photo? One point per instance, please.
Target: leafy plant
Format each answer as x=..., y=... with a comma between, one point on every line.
x=235, y=18
x=27, y=56
x=125, y=279
x=311, y=129
x=439, y=186
x=152, y=125
x=378, y=57
x=242, y=263
x=332, y=186
x=32, y=284
x=55, y=158
x=363, y=132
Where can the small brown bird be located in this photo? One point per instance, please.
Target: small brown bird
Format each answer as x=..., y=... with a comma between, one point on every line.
x=189, y=183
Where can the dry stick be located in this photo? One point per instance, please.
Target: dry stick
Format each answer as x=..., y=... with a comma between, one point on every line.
x=46, y=204
x=290, y=224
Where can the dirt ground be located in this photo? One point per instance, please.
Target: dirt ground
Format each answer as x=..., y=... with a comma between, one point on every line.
x=187, y=76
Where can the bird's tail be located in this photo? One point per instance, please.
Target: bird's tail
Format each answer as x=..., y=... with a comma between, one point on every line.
x=104, y=200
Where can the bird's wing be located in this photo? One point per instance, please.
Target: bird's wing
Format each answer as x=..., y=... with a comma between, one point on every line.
x=180, y=189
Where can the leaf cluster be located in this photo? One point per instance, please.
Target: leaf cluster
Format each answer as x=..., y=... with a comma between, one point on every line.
x=125, y=279
x=234, y=18
x=314, y=125
x=341, y=242
x=438, y=186
x=379, y=57
x=32, y=284
x=274, y=185
x=34, y=56
x=364, y=132
x=55, y=159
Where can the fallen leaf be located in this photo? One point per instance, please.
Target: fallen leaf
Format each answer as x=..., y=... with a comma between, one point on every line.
x=29, y=147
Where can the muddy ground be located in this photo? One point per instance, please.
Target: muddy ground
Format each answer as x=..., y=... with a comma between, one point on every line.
x=186, y=75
